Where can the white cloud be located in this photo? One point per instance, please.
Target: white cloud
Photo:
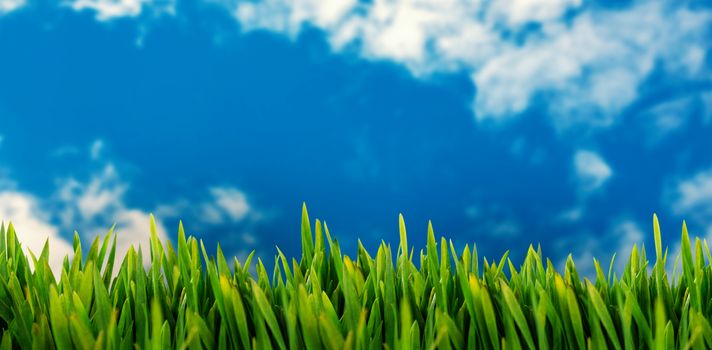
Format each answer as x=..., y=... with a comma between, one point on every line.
x=621, y=235
x=89, y=207
x=288, y=16
x=7, y=6
x=571, y=215
x=96, y=148
x=226, y=208
x=101, y=193
x=92, y=206
x=112, y=9
x=667, y=117
x=518, y=12
x=592, y=171
x=33, y=227
x=589, y=62
x=108, y=9
x=230, y=201
x=223, y=205
x=692, y=197
x=628, y=233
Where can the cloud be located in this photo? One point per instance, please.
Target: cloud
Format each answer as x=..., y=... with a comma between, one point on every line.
x=592, y=68
x=519, y=12
x=223, y=205
x=226, y=209
x=229, y=202
x=571, y=215
x=7, y=6
x=592, y=171
x=89, y=207
x=113, y=9
x=33, y=227
x=92, y=206
x=622, y=234
x=628, y=233
x=96, y=149
x=494, y=220
x=692, y=197
x=666, y=118
x=588, y=61
x=101, y=193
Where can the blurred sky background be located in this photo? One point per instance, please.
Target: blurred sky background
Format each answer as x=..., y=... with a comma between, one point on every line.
x=561, y=122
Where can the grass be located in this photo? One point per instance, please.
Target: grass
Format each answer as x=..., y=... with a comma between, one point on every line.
x=438, y=298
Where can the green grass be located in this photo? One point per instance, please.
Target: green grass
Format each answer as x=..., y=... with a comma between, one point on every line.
x=438, y=297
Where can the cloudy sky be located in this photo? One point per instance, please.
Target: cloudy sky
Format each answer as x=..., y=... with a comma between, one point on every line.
x=561, y=122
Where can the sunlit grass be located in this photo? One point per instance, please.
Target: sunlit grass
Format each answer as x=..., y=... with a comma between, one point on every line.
x=439, y=297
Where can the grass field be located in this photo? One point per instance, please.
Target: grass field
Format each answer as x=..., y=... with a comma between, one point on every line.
x=441, y=297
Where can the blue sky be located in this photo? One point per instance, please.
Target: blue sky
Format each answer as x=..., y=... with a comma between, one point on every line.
x=565, y=123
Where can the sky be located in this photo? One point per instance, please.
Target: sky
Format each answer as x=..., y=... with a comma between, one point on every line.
x=565, y=123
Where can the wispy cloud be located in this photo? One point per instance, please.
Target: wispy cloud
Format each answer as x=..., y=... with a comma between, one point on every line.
x=590, y=173
x=90, y=206
x=230, y=202
x=588, y=61
x=7, y=6
x=628, y=233
x=96, y=149
x=223, y=205
x=692, y=197
x=494, y=220
x=664, y=119
x=225, y=208
x=112, y=9
x=33, y=226
x=619, y=238
x=591, y=170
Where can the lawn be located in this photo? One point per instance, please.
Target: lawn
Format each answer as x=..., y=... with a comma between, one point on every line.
x=440, y=296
